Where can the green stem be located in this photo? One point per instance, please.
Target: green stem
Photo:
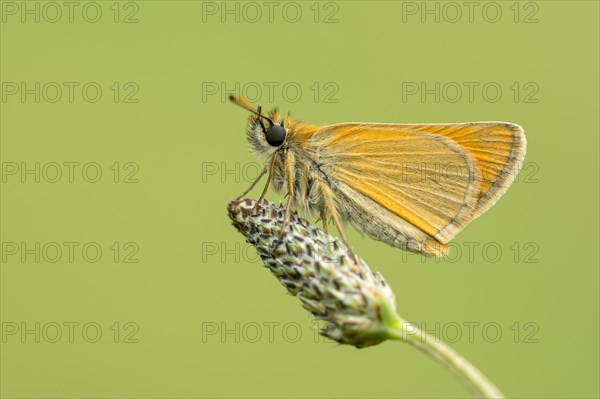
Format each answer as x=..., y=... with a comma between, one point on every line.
x=472, y=378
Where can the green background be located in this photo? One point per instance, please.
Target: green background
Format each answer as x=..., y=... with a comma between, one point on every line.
x=194, y=271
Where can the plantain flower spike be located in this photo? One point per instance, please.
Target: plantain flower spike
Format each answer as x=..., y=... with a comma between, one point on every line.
x=320, y=271
x=338, y=287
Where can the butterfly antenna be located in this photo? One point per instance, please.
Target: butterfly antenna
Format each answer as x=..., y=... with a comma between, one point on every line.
x=262, y=125
x=242, y=102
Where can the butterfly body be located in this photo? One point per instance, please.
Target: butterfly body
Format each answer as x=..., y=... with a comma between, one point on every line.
x=411, y=186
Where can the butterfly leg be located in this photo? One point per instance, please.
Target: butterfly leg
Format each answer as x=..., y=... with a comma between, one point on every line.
x=253, y=183
x=323, y=217
x=264, y=192
x=329, y=204
x=289, y=171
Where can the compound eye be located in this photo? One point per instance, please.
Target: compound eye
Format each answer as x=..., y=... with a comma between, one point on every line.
x=275, y=135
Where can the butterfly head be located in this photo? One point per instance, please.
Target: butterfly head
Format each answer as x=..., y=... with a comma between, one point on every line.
x=266, y=133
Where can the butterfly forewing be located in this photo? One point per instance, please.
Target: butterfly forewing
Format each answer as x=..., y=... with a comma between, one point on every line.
x=425, y=179
x=498, y=147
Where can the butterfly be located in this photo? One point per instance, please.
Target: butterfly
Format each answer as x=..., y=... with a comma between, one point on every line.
x=412, y=186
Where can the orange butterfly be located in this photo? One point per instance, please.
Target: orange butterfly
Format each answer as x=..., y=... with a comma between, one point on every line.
x=413, y=186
